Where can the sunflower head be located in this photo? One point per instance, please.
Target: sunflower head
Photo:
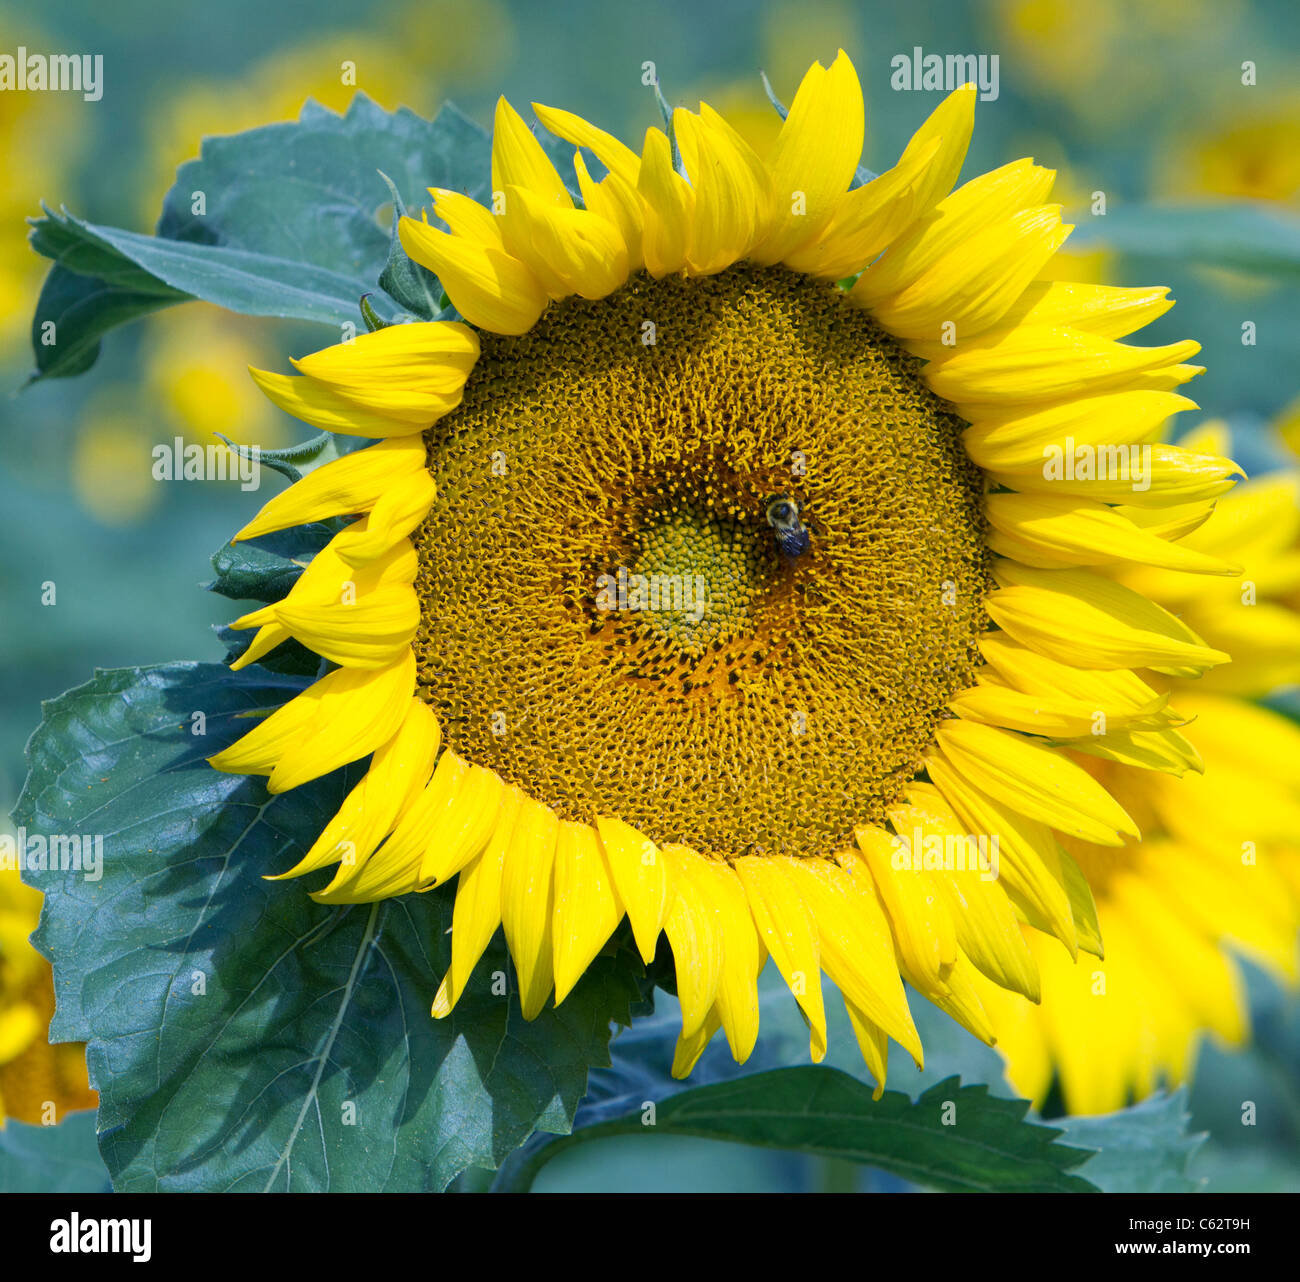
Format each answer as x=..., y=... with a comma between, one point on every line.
x=707, y=570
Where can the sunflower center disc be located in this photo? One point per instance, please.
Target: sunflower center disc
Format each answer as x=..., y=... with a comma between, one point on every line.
x=609, y=620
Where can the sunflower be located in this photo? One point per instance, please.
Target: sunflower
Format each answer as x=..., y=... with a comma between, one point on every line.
x=39, y=1083
x=705, y=571
x=1218, y=869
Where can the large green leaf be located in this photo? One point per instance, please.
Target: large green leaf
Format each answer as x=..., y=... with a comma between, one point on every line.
x=1243, y=235
x=255, y=284
x=1142, y=1149
x=277, y=221
x=52, y=1159
x=955, y=1138
x=241, y=1036
x=309, y=190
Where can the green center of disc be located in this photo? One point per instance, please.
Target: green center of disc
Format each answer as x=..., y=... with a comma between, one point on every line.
x=694, y=579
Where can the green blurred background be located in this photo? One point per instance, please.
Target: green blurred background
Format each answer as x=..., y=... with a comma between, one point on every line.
x=1141, y=101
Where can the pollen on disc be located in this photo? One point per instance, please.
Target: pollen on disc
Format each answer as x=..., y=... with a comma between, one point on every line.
x=607, y=619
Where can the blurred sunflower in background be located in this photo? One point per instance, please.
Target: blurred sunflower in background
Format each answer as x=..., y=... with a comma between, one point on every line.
x=35, y=161
x=1217, y=871
x=39, y=1083
x=901, y=628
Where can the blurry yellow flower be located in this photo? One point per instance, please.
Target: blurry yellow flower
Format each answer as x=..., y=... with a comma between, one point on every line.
x=37, y=145
x=1108, y=59
x=111, y=466
x=39, y=1083
x=1251, y=158
x=1218, y=869
x=196, y=360
x=796, y=33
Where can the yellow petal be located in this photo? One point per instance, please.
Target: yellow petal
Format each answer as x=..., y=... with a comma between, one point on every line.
x=787, y=928
x=970, y=288
x=328, y=580
x=1023, y=438
x=477, y=913
x=1077, y=617
x=1150, y=475
x=396, y=867
x=1163, y=750
x=1047, y=530
x=1029, y=856
x=669, y=208
x=400, y=769
x=617, y=203
x=490, y=288
x=743, y=954
x=341, y=718
x=868, y=218
x=410, y=371
x=460, y=831
x=527, y=902
x=587, y=906
x=814, y=157
x=984, y=201
x=873, y=1042
x=1106, y=310
x=998, y=705
x=393, y=517
x=950, y=125
x=1050, y=364
x=570, y=251
x=641, y=879
x=368, y=632
x=959, y=997
x=988, y=931
x=1124, y=698
x=519, y=160
x=691, y=1046
x=731, y=195
x=353, y=483
x=695, y=934
x=922, y=927
x=1034, y=780
x=857, y=949
x=467, y=218
x=314, y=403
x=618, y=158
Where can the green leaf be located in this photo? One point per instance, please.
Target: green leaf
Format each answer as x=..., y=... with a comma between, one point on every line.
x=241, y=1036
x=254, y=284
x=954, y=1138
x=82, y=310
x=309, y=190
x=1143, y=1149
x=265, y=568
x=286, y=226
x=1251, y=236
x=415, y=287
x=52, y=1159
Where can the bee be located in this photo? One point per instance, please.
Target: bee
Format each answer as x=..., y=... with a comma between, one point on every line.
x=783, y=515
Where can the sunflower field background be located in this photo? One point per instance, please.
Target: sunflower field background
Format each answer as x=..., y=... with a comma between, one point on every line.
x=1145, y=107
